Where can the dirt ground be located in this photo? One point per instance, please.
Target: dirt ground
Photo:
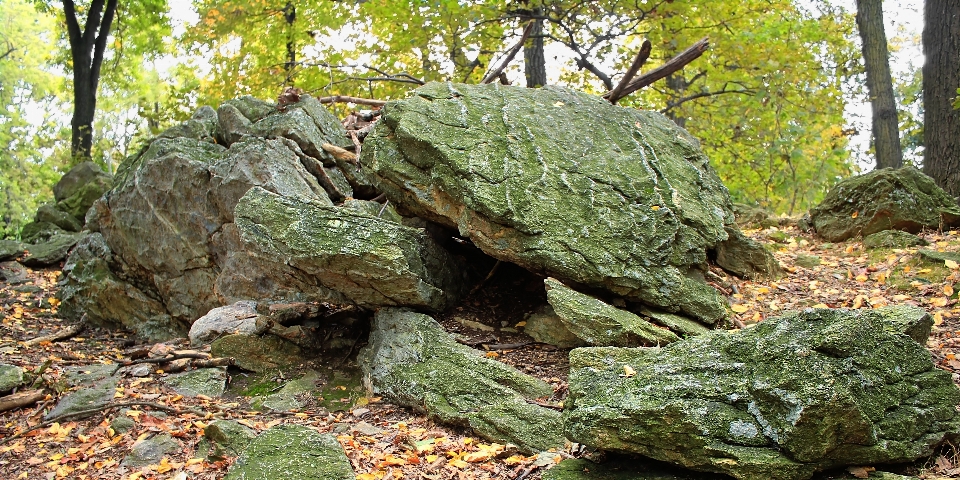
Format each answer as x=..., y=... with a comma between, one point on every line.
x=383, y=441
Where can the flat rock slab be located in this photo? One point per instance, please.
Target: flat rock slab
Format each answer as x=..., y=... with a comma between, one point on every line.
x=52, y=251
x=257, y=353
x=204, y=381
x=150, y=451
x=86, y=398
x=371, y=261
x=413, y=362
x=225, y=438
x=886, y=199
x=241, y=317
x=782, y=400
x=600, y=324
x=562, y=183
x=294, y=452
x=11, y=376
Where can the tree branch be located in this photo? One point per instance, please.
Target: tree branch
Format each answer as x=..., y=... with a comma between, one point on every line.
x=673, y=65
x=638, y=62
x=490, y=77
x=101, y=43
x=357, y=100
x=681, y=101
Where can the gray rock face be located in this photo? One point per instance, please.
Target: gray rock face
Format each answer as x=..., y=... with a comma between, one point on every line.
x=602, y=325
x=256, y=353
x=12, y=272
x=413, y=362
x=886, y=199
x=49, y=213
x=166, y=232
x=11, y=376
x=80, y=187
x=50, y=252
x=150, y=451
x=371, y=261
x=226, y=438
x=292, y=451
x=241, y=317
x=893, y=239
x=204, y=381
x=545, y=326
x=745, y=258
x=10, y=249
x=784, y=399
x=86, y=398
x=629, y=203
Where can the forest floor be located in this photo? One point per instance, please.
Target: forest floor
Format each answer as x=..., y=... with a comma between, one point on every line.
x=383, y=441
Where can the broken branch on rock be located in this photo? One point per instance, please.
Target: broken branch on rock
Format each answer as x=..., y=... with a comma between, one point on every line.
x=673, y=65
x=495, y=73
x=356, y=100
x=638, y=62
x=339, y=153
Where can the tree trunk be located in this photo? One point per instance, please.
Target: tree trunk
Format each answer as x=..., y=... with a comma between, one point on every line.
x=534, y=61
x=941, y=78
x=86, y=48
x=290, y=15
x=886, y=130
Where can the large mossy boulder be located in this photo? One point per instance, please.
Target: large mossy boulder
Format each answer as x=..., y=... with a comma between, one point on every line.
x=79, y=188
x=371, y=261
x=562, y=183
x=791, y=396
x=411, y=361
x=886, y=199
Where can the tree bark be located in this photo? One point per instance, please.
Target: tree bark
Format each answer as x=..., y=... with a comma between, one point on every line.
x=886, y=129
x=534, y=61
x=941, y=78
x=86, y=48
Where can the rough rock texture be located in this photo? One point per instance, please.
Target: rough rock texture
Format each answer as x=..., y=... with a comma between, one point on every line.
x=225, y=438
x=36, y=232
x=412, y=361
x=893, y=239
x=562, y=183
x=256, y=353
x=50, y=252
x=204, y=381
x=11, y=376
x=79, y=188
x=886, y=199
x=619, y=469
x=545, y=326
x=602, y=325
x=745, y=258
x=241, y=317
x=10, y=249
x=294, y=452
x=12, y=272
x=151, y=450
x=49, y=213
x=85, y=398
x=791, y=396
x=371, y=261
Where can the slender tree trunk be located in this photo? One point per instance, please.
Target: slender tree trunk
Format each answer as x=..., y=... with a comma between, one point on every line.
x=86, y=48
x=941, y=78
x=290, y=15
x=534, y=61
x=886, y=129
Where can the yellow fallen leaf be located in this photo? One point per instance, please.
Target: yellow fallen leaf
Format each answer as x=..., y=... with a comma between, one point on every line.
x=366, y=476
x=858, y=302
x=821, y=305
x=849, y=249
x=739, y=308
x=628, y=371
x=164, y=466
x=948, y=290
x=951, y=264
x=854, y=214
x=861, y=278
x=457, y=463
x=938, y=301
x=860, y=472
x=491, y=354
x=432, y=458
x=655, y=208
x=763, y=290
x=476, y=457
x=937, y=318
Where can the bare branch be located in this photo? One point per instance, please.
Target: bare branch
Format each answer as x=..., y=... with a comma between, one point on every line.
x=680, y=101
x=673, y=65
x=638, y=62
x=490, y=77
x=61, y=335
x=357, y=100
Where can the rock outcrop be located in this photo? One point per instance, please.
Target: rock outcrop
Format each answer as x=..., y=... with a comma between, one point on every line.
x=886, y=199
x=292, y=451
x=791, y=396
x=561, y=183
x=413, y=362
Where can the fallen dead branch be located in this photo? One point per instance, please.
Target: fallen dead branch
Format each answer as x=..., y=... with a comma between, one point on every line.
x=339, y=153
x=673, y=65
x=199, y=356
x=56, y=337
x=21, y=399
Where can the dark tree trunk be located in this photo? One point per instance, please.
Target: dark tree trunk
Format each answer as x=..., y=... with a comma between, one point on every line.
x=86, y=48
x=886, y=130
x=534, y=62
x=941, y=78
x=290, y=15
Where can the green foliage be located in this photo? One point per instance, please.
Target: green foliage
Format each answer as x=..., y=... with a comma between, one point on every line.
x=765, y=100
x=29, y=121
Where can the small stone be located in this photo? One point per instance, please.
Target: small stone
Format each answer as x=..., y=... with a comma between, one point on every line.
x=204, y=381
x=807, y=261
x=122, y=424
x=257, y=353
x=86, y=398
x=151, y=450
x=11, y=376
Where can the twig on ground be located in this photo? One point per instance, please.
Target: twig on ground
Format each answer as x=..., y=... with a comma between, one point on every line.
x=56, y=337
x=199, y=356
x=21, y=399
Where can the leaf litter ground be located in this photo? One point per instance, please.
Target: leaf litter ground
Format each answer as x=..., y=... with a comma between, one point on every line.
x=387, y=442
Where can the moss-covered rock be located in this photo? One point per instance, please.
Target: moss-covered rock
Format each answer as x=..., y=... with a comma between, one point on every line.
x=885, y=199
x=292, y=451
x=204, y=381
x=893, y=239
x=560, y=182
x=791, y=396
x=745, y=257
x=48, y=213
x=370, y=260
x=602, y=325
x=151, y=450
x=50, y=252
x=257, y=353
x=413, y=362
x=225, y=438
x=11, y=376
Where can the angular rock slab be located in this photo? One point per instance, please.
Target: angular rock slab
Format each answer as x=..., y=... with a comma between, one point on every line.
x=791, y=396
x=241, y=317
x=413, y=362
x=600, y=324
x=885, y=199
x=294, y=452
x=562, y=183
x=371, y=261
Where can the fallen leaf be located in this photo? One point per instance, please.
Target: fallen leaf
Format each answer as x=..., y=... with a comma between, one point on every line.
x=739, y=308
x=854, y=214
x=951, y=264
x=628, y=371
x=860, y=472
